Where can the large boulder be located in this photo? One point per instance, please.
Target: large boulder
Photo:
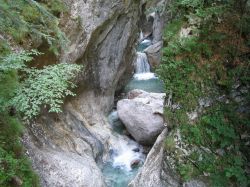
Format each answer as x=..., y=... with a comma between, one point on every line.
x=142, y=114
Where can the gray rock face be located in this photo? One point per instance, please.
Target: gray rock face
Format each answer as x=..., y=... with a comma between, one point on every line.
x=68, y=169
x=102, y=36
x=161, y=18
x=64, y=153
x=142, y=115
x=154, y=53
x=65, y=148
x=154, y=173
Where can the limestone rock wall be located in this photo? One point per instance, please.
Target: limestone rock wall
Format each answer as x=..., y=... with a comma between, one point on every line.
x=65, y=148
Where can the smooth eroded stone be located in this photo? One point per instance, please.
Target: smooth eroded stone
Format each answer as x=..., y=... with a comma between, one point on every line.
x=142, y=115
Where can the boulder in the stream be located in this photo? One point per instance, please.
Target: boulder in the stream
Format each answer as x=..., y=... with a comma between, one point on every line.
x=135, y=163
x=136, y=150
x=142, y=115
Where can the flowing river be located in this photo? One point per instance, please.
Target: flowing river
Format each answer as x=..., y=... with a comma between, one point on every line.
x=128, y=156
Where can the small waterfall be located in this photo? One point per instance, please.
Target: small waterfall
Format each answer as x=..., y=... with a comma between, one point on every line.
x=126, y=155
x=142, y=65
x=142, y=68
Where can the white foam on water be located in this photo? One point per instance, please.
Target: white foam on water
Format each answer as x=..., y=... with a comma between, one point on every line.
x=146, y=41
x=144, y=76
x=125, y=155
x=142, y=65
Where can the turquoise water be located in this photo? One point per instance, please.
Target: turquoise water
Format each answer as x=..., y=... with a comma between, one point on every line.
x=150, y=85
x=116, y=123
x=117, y=177
x=143, y=45
x=119, y=170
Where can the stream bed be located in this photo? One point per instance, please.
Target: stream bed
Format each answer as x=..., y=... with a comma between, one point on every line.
x=127, y=157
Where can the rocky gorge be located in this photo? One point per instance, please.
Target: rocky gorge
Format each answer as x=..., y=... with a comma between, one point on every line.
x=67, y=149
x=137, y=93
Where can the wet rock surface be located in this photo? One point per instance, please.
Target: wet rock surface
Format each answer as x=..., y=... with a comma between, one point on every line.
x=135, y=163
x=142, y=115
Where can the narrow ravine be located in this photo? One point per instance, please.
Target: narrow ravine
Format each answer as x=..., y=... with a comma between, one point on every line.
x=127, y=157
x=143, y=78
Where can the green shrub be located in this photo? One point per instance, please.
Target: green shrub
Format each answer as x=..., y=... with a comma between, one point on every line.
x=25, y=19
x=204, y=64
x=13, y=162
x=23, y=22
x=45, y=88
x=16, y=61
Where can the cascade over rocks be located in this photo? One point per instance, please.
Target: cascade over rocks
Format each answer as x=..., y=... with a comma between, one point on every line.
x=65, y=148
x=142, y=115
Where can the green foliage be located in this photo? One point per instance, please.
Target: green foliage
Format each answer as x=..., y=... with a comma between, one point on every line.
x=214, y=147
x=46, y=87
x=213, y=128
x=186, y=171
x=199, y=8
x=25, y=19
x=16, y=61
x=190, y=3
x=170, y=143
x=23, y=89
x=56, y=6
x=13, y=162
x=181, y=73
x=12, y=167
x=206, y=63
x=8, y=84
x=172, y=30
x=172, y=119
